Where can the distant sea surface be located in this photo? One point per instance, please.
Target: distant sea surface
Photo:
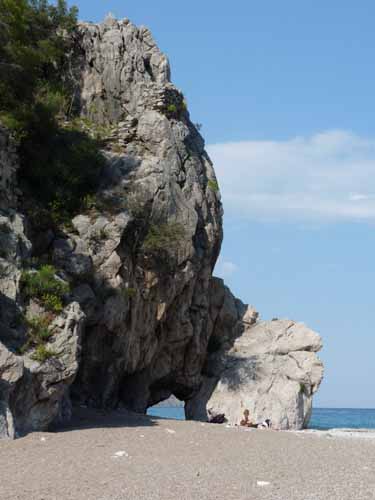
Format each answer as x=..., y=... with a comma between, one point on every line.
x=322, y=418
x=336, y=418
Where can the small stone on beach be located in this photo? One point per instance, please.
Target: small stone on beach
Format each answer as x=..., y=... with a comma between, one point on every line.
x=263, y=483
x=120, y=454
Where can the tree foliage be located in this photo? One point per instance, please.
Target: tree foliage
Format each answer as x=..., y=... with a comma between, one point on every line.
x=33, y=52
x=60, y=163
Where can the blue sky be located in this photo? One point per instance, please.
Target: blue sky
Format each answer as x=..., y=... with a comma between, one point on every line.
x=285, y=93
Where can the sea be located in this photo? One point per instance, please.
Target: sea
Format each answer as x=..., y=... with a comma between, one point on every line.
x=321, y=419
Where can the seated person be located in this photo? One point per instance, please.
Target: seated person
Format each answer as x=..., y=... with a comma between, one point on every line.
x=246, y=422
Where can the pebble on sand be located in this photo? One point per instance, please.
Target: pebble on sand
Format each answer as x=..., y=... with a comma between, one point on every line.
x=263, y=483
x=120, y=454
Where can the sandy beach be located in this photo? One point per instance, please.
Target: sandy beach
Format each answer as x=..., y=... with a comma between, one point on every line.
x=121, y=456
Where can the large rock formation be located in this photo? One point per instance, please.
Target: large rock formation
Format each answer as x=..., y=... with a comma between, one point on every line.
x=150, y=251
x=31, y=392
x=269, y=368
x=143, y=310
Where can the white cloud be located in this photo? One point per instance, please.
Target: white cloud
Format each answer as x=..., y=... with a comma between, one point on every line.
x=225, y=268
x=327, y=176
x=358, y=197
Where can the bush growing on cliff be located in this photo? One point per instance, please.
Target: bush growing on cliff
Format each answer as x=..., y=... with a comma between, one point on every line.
x=176, y=110
x=38, y=330
x=172, y=108
x=38, y=334
x=163, y=237
x=42, y=354
x=213, y=185
x=62, y=169
x=37, y=93
x=33, y=54
x=44, y=286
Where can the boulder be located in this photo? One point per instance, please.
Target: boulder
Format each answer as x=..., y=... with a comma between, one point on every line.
x=269, y=368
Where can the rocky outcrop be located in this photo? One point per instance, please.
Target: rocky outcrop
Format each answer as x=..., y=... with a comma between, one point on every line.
x=31, y=390
x=143, y=319
x=35, y=393
x=151, y=247
x=123, y=73
x=269, y=368
x=42, y=395
x=15, y=247
x=139, y=262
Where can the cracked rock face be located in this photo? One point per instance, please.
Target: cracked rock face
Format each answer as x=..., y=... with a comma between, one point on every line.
x=123, y=71
x=144, y=260
x=42, y=392
x=269, y=368
x=31, y=392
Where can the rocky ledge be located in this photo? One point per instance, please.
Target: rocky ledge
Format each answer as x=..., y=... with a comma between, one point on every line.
x=141, y=317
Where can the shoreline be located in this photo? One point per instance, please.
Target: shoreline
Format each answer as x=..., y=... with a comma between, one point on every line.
x=343, y=432
x=124, y=456
x=335, y=431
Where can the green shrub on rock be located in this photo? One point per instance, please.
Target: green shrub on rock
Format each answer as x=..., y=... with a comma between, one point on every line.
x=172, y=108
x=213, y=185
x=45, y=286
x=42, y=354
x=38, y=334
x=163, y=237
x=39, y=330
x=62, y=170
x=52, y=303
x=176, y=109
x=60, y=161
x=33, y=57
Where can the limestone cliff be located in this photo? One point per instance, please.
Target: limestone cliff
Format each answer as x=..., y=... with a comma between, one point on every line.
x=141, y=311
x=31, y=392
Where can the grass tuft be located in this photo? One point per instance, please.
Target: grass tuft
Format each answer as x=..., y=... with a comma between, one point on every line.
x=44, y=286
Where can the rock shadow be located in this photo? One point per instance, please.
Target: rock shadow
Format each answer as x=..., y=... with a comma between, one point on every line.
x=238, y=370
x=90, y=418
x=12, y=330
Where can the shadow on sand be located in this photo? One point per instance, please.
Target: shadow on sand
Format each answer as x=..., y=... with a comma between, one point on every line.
x=88, y=418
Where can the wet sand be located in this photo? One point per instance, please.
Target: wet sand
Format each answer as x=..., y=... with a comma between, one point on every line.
x=120, y=456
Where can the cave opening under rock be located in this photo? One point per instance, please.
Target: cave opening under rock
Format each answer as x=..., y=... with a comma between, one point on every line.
x=171, y=408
